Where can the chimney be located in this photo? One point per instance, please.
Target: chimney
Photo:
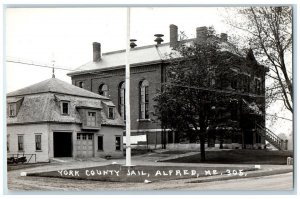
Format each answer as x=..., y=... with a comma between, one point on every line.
x=96, y=52
x=158, y=39
x=132, y=44
x=201, y=33
x=224, y=37
x=173, y=36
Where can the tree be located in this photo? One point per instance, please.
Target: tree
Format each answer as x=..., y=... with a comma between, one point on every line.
x=270, y=34
x=193, y=93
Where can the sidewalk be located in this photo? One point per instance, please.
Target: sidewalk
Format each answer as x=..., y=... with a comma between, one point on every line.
x=148, y=159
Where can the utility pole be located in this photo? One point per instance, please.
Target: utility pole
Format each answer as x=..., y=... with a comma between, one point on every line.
x=127, y=93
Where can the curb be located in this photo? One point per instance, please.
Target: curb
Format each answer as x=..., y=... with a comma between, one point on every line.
x=249, y=175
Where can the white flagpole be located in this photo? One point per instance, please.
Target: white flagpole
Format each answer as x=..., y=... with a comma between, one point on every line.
x=127, y=93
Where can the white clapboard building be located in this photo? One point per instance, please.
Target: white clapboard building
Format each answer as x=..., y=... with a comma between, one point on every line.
x=56, y=119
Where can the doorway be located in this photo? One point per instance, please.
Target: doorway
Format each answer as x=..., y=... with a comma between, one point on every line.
x=62, y=144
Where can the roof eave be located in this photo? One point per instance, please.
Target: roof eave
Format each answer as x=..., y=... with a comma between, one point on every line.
x=114, y=68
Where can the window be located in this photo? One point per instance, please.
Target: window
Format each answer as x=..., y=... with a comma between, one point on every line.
x=91, y=119
x=12, y=109
x=144, y=100
x=20, y=142
x=84, y=136
x=122, y=100
x=100, y=143
x=80, y=84
x=65, y=107
x=234, y=111
x=103, y=90
x=7, y=142
x=111, y=113
x=257, y=86
x=246, y=83
x=211, y=77
x=118, y=143
x=38, y=142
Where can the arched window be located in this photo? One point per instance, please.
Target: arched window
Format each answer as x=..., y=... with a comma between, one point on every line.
x=103, y=90
x=144, y=100
x=122, y=100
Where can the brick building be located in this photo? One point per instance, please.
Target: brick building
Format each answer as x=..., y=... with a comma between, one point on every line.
x=105, y=75
x=55, y=119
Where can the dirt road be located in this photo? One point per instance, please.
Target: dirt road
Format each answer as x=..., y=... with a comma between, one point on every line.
x=273, y=182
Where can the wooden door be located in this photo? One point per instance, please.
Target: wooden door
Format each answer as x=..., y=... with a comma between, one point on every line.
x=85, y=145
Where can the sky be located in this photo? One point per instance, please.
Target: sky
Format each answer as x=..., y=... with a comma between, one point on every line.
x=65, y=35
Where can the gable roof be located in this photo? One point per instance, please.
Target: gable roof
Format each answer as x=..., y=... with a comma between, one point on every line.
x=54, y=85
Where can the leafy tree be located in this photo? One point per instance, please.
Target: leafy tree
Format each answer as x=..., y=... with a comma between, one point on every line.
x=269, y=30
x=198, y=90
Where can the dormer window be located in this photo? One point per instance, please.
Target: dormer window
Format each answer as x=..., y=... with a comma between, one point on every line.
x=111, y=114
x=91, y=118
x=65, y=108
x=13, y=106
x=80, y=84
x=12, y=109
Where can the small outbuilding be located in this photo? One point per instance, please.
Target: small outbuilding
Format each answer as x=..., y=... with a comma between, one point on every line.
x=54, y=119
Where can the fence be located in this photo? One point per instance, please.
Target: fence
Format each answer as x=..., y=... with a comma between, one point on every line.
x=21, y=158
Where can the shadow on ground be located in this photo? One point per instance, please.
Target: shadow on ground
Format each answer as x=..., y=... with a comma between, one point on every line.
x=238, y=157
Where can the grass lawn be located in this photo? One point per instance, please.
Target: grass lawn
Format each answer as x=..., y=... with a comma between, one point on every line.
x=242, y=156
x=118, y=173
x=174, y=152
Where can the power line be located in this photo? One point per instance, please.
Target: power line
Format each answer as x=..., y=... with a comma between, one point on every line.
x=29, y=62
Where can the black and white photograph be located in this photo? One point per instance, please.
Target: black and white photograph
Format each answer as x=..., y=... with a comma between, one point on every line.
x=148, y=99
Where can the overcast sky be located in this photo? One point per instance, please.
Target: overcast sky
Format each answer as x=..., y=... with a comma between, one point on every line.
x=66, y=35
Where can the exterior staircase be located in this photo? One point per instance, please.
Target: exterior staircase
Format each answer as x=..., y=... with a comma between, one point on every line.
x=271, y=137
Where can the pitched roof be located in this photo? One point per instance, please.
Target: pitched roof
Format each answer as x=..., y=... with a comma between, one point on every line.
x=143, y=55
x=54, y=85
